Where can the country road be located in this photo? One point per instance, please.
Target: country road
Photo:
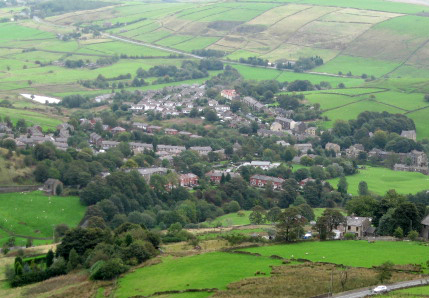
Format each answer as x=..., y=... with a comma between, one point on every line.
x=368, y=291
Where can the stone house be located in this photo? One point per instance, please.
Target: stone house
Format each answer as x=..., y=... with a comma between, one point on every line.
x=360, y=226
x=276, y=126
x=334, y=147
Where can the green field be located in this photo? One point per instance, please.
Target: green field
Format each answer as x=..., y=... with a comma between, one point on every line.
x=232, y=219
x=411, y=292
x=35, y=214
x=350, y=253
x=357, y=66
x=32, y=118
x=380, y=180
x=210, y=270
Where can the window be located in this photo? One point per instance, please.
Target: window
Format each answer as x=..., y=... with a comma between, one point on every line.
x=349, y=228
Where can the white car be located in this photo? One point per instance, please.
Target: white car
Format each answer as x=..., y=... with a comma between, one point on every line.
x=379, y=289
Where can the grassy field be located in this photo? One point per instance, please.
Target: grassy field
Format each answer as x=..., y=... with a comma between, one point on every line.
x=211, y=270
x=31, y=117
x=347, y=252
x=411, y=292
x=232, y=219
x=380, y=180
x=35, y=214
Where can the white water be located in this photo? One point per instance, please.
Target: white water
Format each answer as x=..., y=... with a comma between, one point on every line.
x=41, y=99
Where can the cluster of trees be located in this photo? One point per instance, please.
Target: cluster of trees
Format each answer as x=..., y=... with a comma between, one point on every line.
x=74, y=63
x=254, y=61
x=209, y=53
x=386, y=129
x=103, y=252
x=303, y=64
x=226, y=78
x=390, y=212
x=74, y=101
x=188, y=70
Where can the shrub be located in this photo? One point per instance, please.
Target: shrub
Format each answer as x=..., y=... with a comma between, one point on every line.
x=413, y=235
x=398, y=233
x=108, y=270
x=350, y=236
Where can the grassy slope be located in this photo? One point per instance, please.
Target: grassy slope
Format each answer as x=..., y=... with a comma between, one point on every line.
x=34, y=214
x=380, y=180
x=211, y=270
x=351, y=253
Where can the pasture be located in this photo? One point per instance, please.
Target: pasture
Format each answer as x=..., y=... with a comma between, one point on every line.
x=35, y=214
x=347, y=252
x=380, y=180
x=210, y=270
x=31, y=117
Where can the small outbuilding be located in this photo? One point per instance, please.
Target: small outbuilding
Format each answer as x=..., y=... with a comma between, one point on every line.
x=51, y=185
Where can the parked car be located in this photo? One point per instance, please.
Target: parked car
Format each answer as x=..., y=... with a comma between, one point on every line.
x=380, y=289
x=308, y=235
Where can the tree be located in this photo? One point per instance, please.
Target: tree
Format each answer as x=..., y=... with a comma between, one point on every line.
x=342, y=185
x=407, y=217
x=74, y=260
x=258, y=215
x=49, y=258
x=290, y=225
x=413, y=235
x=330, y=219
x=274, y=214
x=363, y=188
x=385, y=271
x=398, y=233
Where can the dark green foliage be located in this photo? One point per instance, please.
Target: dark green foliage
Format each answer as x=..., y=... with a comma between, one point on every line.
x=49, y=258
x=80, y=240
x=108, y=270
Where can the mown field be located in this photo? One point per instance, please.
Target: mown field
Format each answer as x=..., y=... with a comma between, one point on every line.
x=380, y=180
x=35, y=214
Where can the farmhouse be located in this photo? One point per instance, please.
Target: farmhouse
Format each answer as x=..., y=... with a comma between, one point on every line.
x=276, y=126
x=360, y=226
x=354, y=151
x=303, y=148
x=334, y=147
x=262, y=180
x=409, y=134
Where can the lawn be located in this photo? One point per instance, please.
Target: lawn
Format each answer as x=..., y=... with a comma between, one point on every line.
x=350, y=253
x=380, y=180
x=35, y=214
x=210, y=270
x=421, y=120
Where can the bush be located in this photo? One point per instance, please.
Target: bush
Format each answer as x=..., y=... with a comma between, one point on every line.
x=108, y=270
x=350, y=236
x=413, y=235
x=398, y=233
